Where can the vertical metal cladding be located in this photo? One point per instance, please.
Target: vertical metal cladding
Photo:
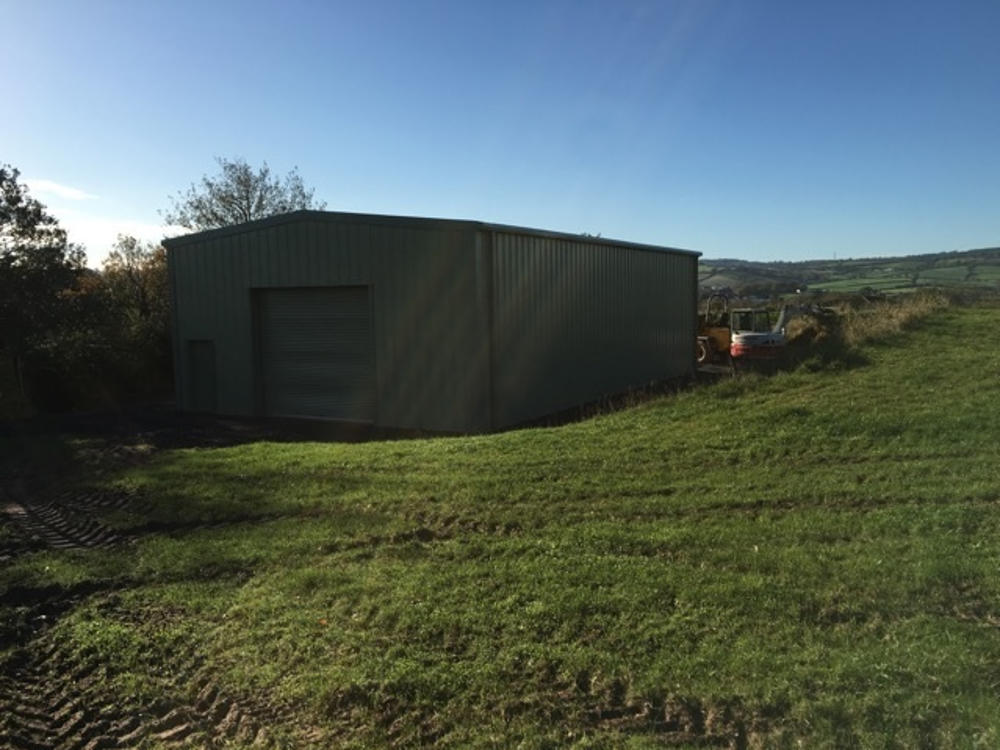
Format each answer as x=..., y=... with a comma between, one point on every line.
x=574, y=320
x=430, y=365
x=474, y=326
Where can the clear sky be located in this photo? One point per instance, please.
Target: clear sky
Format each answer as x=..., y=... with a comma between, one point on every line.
x=757, y=129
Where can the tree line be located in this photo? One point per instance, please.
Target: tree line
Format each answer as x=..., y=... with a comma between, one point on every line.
x=72, y=337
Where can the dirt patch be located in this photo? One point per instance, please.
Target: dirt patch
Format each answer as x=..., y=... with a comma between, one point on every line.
x=50, y=698
x=681, y=720
x=64, y=521
x=29, y=611
x=53, y=698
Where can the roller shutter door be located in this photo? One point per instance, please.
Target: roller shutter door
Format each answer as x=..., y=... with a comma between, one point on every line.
x=317, y=353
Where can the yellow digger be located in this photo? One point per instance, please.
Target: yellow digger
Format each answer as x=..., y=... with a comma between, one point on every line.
x=714, y=331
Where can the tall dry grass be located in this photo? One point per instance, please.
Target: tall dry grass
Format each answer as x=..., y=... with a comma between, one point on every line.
x=831, y=336
x=879, y=320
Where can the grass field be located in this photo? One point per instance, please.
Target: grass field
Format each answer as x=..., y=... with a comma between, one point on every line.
x=972, y=269
x=809, y=559
x=880, y=283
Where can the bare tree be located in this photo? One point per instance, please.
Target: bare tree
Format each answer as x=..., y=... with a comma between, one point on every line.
x=239, y=193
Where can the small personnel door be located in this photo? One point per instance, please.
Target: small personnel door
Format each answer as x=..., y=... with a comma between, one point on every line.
x=201, y=375
x=317, y=354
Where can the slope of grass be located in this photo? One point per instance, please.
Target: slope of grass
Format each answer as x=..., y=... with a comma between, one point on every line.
x=809, y=558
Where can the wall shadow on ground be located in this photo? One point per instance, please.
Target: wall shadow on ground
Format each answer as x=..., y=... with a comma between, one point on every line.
x=50, y=450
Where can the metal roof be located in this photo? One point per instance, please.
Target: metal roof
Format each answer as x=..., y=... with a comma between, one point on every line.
x=406, y=221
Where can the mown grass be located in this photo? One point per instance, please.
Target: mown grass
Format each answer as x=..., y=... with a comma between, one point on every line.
x=807, y=558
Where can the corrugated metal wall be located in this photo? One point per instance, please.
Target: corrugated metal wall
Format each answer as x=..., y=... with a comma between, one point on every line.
x=476, y=327
x=431, y=353
x=574, y=320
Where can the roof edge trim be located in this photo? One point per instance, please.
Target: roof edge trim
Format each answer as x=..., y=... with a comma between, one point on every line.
x=407, y=221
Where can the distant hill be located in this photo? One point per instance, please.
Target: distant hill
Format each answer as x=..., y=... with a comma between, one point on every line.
x=969, y=268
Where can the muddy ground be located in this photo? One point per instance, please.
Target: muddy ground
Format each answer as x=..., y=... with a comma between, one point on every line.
x=50, y=695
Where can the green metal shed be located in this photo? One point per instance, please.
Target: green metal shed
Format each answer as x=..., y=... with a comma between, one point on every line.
x=433, y=324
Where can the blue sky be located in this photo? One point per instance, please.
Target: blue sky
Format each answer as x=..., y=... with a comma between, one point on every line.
x=756, y=129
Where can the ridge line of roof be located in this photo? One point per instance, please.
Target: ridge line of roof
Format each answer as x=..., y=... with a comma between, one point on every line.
x=416, y=221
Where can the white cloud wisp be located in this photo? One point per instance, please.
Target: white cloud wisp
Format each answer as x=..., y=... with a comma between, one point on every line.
x=51, y=188
x=99, y=233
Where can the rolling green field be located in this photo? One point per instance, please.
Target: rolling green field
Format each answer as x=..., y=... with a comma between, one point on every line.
x=809, y=559
x=971, y=269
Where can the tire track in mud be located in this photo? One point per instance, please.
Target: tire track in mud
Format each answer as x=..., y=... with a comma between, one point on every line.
x=202, y=712
x=50, y=699
x=61, y=521
x=45, y=708
x=57, y=528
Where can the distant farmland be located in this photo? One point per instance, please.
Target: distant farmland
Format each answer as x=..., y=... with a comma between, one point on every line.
x=971, y=269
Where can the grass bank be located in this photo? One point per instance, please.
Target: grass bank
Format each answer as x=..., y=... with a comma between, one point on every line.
x=808, y=558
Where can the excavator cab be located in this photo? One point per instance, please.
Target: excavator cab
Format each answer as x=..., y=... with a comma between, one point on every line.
x=729, y=336
x=751, y=320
